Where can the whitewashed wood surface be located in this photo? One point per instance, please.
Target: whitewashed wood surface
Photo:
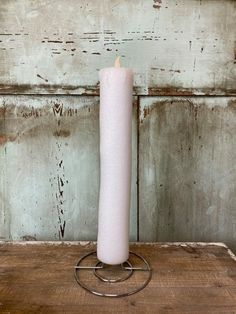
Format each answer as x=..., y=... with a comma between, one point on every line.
x=49, y=168
x=179, y=49
x=174, y=47
x=187, y=173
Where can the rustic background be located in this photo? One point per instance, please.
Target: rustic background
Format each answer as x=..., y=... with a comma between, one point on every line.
x=184, y=116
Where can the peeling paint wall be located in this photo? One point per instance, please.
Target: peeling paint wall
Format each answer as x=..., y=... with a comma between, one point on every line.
x=187, y=169
x=186, y=45
x=49, y=168
x=183, y=54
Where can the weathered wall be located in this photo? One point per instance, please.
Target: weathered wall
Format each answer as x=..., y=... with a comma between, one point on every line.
x=50, y=168
x=183, y=181
x=171, y=44
x=187, y=169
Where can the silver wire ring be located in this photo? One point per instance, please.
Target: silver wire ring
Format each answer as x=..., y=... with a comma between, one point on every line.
x=79, y=268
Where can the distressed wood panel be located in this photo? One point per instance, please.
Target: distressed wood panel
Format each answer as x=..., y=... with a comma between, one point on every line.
x=186, y=278
x=49, y=168
x=174, y=47
x=187, y=172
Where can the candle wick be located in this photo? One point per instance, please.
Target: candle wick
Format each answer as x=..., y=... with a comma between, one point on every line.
x=117, y=62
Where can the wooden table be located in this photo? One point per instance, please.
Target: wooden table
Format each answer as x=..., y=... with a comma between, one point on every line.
x=37, y=277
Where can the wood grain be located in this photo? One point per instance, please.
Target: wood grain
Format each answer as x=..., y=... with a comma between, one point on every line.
x=182, y=47
x=187, y=278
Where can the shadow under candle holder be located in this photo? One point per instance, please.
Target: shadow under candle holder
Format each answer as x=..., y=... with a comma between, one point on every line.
x=113, y=280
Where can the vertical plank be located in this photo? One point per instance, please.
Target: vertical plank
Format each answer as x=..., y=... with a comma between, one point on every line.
x=187, y=172
x=50, y=168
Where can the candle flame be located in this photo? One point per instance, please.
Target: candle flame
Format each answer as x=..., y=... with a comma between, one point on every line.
x=117, y=62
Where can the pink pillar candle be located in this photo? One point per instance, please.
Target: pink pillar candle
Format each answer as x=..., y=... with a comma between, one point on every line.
x=116, y=86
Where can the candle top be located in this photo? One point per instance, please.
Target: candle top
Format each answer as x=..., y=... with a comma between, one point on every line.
x=116, y=68
x=117, y=62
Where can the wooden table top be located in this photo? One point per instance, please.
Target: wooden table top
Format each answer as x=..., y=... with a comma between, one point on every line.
x=38, y=277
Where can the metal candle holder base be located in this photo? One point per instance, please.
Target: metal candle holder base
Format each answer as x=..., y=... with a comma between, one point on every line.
x=112, y=280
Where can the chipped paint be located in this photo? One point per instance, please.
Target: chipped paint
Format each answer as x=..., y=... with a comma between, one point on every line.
x=49, y=89
x=157, y=4
x=187, y=165
x=231, y=254
x=93, y=243
x=50, y=243
x=44, y=56
x=212, y=102
x=49, y=168
x=29, y=238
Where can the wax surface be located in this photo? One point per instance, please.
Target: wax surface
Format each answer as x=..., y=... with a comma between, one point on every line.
x=116, y=85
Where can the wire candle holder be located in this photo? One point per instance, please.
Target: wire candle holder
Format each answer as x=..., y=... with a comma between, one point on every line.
x=112, y=281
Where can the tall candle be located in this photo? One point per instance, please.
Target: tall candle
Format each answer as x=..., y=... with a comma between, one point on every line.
x=116, y=85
